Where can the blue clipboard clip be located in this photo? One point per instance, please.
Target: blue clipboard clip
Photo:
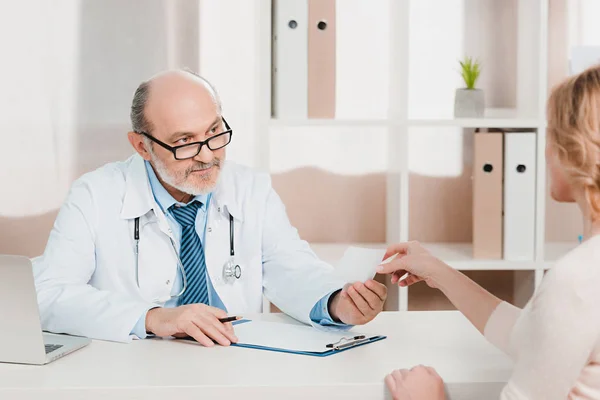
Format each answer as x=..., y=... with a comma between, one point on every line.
x=345, y=342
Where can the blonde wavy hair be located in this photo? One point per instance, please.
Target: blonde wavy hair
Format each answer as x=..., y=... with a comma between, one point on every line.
x=574, y=132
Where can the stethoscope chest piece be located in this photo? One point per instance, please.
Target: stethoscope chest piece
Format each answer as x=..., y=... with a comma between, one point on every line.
x=231, y=271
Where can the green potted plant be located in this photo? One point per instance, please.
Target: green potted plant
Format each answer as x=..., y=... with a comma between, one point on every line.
x=469, y=102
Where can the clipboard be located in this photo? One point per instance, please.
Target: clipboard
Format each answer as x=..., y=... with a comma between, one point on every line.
x=298, y=339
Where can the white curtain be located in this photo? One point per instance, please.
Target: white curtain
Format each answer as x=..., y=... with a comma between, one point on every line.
x=38, y=72
x=68, y=71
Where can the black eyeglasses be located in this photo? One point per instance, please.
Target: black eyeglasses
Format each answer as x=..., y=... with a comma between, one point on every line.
x=191, y=150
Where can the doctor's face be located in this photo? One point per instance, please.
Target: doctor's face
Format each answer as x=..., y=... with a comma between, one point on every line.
x=193, y=176
x=185, y=113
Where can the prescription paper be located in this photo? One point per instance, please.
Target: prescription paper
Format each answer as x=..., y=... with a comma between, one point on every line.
x=358, y=264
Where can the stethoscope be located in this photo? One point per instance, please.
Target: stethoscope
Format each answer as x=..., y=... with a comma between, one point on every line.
x=231, y=270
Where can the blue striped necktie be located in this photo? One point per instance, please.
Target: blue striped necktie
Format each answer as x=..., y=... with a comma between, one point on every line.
x=191, y=254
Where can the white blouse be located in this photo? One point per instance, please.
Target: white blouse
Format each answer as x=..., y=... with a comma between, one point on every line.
x=555, y=339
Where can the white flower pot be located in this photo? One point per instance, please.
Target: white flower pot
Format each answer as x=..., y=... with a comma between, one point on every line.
x=469, y=103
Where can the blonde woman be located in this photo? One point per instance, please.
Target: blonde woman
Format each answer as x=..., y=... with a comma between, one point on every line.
x=555, y=339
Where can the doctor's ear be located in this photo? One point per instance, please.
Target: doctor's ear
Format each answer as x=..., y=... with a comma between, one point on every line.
x=139, y=144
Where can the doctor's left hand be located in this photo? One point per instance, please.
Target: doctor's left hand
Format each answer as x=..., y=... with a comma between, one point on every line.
x=358, y=303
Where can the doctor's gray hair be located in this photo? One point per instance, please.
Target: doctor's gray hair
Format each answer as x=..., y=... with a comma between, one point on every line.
x=139, y=122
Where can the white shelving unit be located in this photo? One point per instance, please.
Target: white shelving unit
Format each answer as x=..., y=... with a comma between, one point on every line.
x=405, y=30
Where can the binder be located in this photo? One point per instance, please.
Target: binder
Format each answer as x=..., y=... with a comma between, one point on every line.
x=487, y=195
x=519, y=196
x=290, y=59
x=321, y=58
x=298, y=339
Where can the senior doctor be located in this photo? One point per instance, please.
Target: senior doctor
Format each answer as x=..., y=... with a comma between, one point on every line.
x=174, y=238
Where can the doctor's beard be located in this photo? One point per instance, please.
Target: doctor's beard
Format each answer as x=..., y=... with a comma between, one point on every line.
x=179, y=179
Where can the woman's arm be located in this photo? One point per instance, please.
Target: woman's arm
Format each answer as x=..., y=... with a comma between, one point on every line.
x=476, y=303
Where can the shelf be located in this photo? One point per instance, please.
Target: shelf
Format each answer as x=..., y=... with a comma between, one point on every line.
x=494, y=118
x=477, y=123
x=282, y=123
x=457, y=255
x=460, y=256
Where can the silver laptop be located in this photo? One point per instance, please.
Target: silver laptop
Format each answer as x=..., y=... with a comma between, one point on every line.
x=21, y=337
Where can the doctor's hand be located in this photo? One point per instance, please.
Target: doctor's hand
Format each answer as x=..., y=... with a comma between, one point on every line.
x=358, y=303
x=196, y=320
x=414, y=261
x=420, y=383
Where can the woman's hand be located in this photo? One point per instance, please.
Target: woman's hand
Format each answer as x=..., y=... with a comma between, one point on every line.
x=414, y=260
x=420, y=383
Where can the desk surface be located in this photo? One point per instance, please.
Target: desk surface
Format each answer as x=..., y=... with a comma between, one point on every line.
x=155, y=369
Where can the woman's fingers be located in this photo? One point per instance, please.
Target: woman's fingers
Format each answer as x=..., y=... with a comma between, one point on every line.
x=433, y=372
x=396, y=276
x=399, y=264
x=398, y=248
x=390, y=383
x=410, y=280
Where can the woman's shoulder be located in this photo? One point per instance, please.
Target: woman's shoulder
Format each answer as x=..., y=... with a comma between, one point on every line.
x=583, y=255
x=580, y=266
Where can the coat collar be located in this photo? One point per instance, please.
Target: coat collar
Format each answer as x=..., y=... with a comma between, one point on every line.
x=227, y=193
x=138, y=199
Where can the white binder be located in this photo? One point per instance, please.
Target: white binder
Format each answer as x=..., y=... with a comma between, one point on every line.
x=519, y=196
x=290, y=59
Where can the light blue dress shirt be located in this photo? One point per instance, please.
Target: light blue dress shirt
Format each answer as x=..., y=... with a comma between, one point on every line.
x=319, y=313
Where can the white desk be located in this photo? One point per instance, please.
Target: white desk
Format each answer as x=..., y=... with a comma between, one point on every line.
x=167, y=369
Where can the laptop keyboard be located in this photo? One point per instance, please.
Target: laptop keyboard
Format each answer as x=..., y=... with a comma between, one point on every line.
x=51, y=347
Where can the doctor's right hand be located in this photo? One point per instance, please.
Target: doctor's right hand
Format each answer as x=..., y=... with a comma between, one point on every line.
x=196, y=320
